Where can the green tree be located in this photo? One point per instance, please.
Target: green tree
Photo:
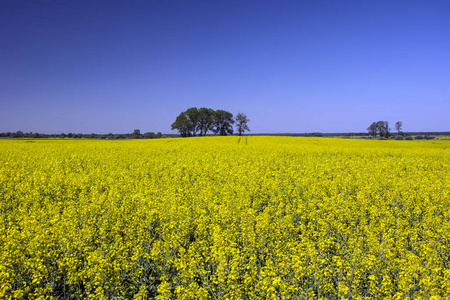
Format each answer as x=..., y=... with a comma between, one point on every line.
x=182, y=124
x=383, y=128
x=398, y=126
x=187, y=122
x=193, y=116
x=18, y=134
x=205, y=120
x=241, y=123
x=136, y=134
x=373, y=129
x=223, y=122
x=196, y=121
x=149, y=135
x=380, y=127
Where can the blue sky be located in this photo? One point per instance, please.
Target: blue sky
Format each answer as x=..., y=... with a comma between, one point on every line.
x=291, y=66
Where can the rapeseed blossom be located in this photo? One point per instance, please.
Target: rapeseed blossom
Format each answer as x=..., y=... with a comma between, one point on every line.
x=225, y=218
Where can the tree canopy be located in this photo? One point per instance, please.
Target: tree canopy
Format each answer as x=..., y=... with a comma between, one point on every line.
x=380, y=127
x=241, y=123
x=199, y=121
x=223, y=122
x=398, y=126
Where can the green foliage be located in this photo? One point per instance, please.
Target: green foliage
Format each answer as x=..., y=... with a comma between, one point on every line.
x=223, y=122
x=381, y=128
x=136, y=134
x=198, y=122
x=398, y=126
x=241, y=123
x=182, y=124
x=205, y=120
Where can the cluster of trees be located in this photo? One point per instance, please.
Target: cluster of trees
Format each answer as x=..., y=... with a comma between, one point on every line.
x=135, y=135
x=199, y=121
x=148, y=135
x=382, y=128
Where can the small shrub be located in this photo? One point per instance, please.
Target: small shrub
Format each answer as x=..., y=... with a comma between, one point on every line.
x=398, y=138
x=409, y=138
x=429, y=137
x=419, y=137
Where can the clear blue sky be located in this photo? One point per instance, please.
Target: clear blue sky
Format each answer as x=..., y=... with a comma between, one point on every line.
x=291, y=66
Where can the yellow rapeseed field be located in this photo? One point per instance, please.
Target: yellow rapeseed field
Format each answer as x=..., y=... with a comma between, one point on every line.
x=225, y=218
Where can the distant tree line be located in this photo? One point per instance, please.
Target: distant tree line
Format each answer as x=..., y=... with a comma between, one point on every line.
x=135, y=135
x=381, y=129
x=200, y=121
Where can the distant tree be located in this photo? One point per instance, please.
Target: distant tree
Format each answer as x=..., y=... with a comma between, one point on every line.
x=241, y=123
x=223, y=122
x=373, y=129
x=187, y=122
x=380, y=127
x=149, y=135
x=196, y=121
x=205, y=120
x=384, y=129
x=62, y=135
x=398, y=126
x=182, y=124
x=159, y=135
x=136, y=134
x=193, y=116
